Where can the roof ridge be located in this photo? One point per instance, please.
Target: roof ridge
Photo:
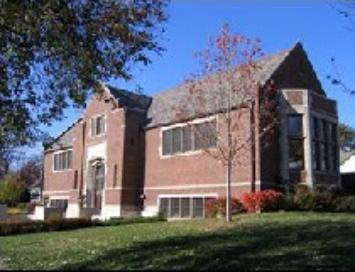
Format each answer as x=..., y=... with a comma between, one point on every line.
x=263, y=58
x=109, y=86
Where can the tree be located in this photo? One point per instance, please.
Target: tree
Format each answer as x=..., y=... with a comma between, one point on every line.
x=12, y=190
x=345, y=9
x=226, y=86
x=52, y=53
x=8, y=155
x=347, y=136
x=30, y=172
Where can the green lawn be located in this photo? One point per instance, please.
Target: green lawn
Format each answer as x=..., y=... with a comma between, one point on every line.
x=265, y=241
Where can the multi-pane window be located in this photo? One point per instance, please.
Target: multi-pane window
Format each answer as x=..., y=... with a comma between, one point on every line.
x=189, y=137
x=63, y=160
x=185, y=207
x=186, y=138
x=59, y=203
x=182, y=206
x=295, y=125
x=324, y=145
x=98, y=125
x=295, y=141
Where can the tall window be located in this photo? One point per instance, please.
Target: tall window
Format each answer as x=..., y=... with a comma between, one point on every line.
x=189, y=137
x=295, y=140
x=324, y=145
x=62, y=160
x=316, y=147
x=98, y=125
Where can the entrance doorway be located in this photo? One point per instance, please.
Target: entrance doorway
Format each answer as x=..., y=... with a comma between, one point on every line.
x=96, y=185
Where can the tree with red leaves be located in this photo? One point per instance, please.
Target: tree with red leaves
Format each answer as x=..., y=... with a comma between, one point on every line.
x=227, y=87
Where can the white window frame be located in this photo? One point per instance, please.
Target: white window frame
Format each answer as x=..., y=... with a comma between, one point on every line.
x=191, y=196
x=183, y=124
x=91, y=123
x=59, y=152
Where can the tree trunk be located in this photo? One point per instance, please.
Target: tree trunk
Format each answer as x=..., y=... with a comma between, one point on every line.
x=228, y=193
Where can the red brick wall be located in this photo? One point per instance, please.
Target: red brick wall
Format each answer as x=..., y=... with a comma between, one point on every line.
x=195, y=168
x=133, y=161
x=114, y=138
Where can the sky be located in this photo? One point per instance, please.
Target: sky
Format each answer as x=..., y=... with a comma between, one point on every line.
x=279, y=24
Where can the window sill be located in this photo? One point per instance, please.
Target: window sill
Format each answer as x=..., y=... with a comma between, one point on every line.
x=60, y=171
x=188, y=153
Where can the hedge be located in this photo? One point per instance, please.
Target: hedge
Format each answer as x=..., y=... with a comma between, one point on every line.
x=14, y=228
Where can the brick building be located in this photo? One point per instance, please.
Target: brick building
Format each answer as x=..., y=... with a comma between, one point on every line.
x=121, y=157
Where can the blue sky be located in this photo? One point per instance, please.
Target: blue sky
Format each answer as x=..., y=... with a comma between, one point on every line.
x=279, y=24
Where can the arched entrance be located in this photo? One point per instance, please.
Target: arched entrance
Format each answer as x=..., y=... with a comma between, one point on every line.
x=96, y=184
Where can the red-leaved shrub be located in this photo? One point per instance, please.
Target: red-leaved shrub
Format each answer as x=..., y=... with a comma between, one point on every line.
x=217, y=207
x=263, y=201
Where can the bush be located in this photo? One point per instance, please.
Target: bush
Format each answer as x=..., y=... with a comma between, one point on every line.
x=11, y=228
x=345, y=204
x=56, y=224
x=217, y=207
x=123, y=221
x=320, y=199
x=262, y=201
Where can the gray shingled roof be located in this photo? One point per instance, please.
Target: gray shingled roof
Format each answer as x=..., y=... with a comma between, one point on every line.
x=161, y=108
x=65, y=139
x=164, y=105
x=130, y=99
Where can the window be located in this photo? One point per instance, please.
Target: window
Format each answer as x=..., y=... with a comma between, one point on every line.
x=175, y=207
x=183, y=206
x=98, y=125
x=164, y=207
x=295, y=141
x=325, y=130
x=177, y=135
x=63, y=160
x=315, y=128
x=296, y=154
x=189, y=137
x=333, y=158
x=167, y=142
x=197, y=207
x=59, y=203
x=324, y=146
x=316, y=155
x=295, y=125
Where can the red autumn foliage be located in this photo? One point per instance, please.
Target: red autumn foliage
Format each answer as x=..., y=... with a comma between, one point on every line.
x=263, y=201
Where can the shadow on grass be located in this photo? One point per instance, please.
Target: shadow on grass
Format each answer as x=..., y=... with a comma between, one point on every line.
x=316, y=244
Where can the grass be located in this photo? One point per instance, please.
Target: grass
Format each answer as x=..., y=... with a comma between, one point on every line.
x=253, y=242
